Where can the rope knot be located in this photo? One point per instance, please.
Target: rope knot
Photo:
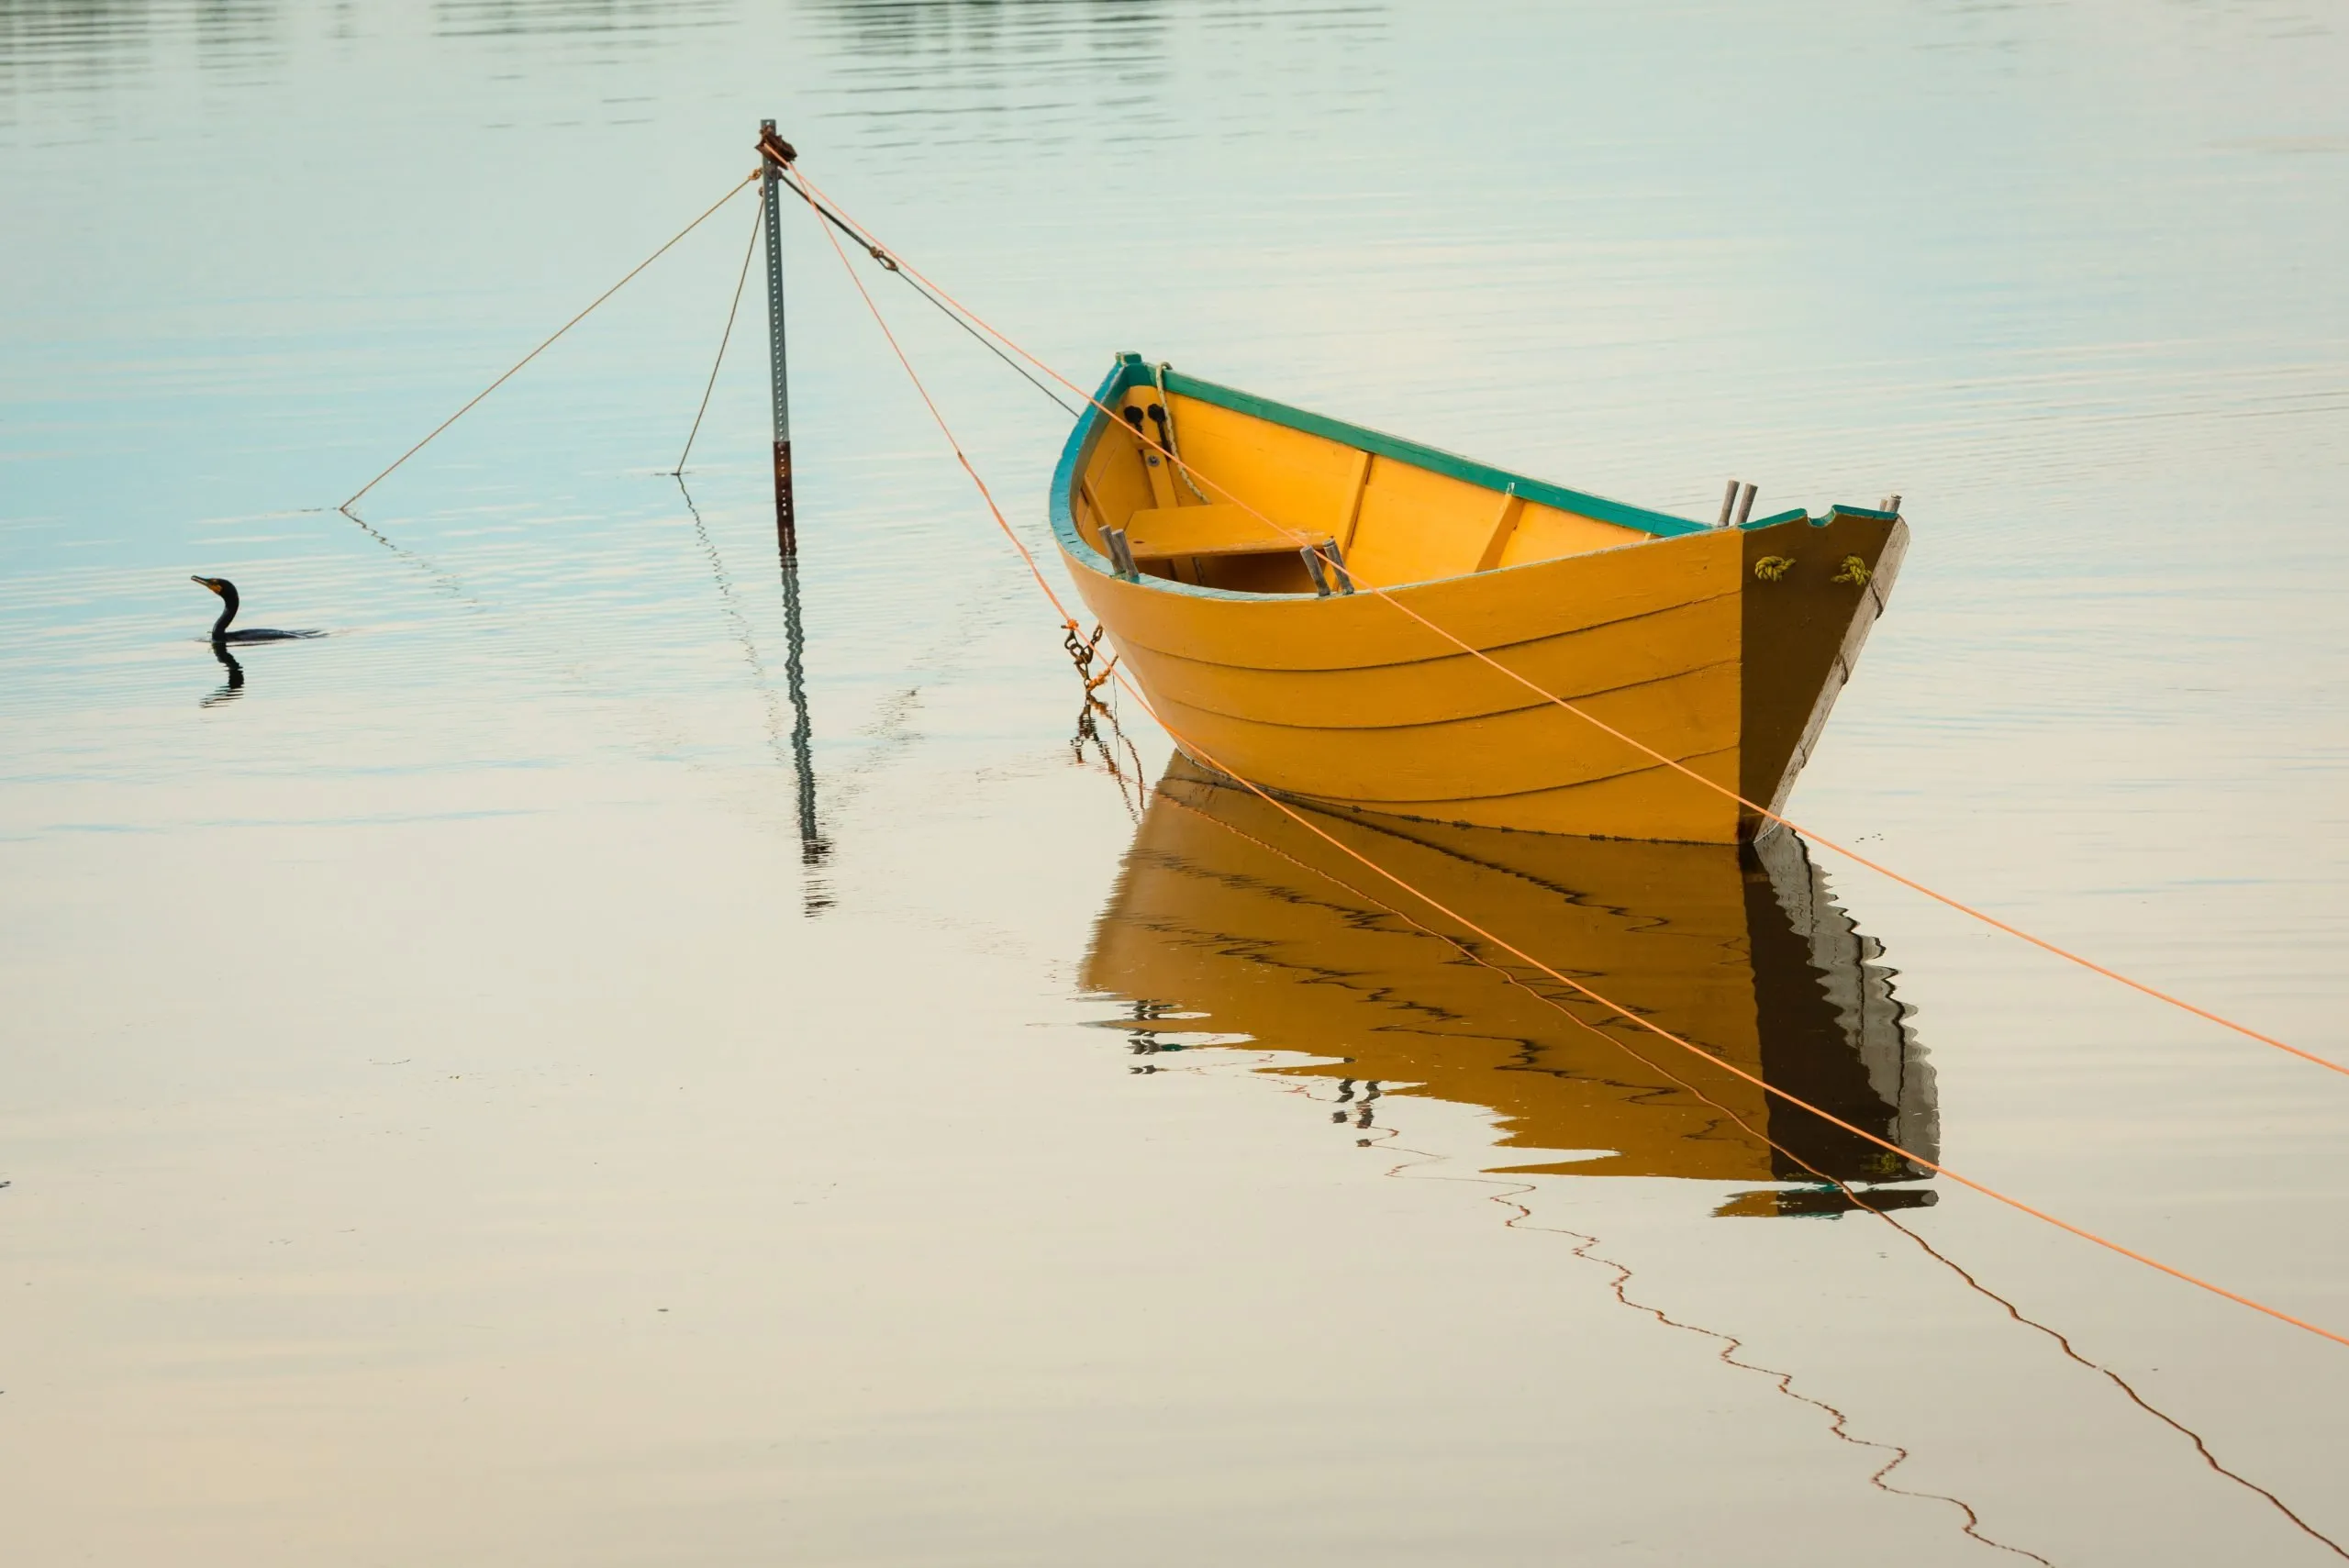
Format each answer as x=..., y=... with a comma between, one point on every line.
x=1856, y=572
x=1770, y=567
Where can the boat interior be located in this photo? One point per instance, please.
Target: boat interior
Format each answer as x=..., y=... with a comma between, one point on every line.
x=1384, y=511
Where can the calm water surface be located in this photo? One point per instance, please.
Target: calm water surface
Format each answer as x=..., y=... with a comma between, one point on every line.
x=447, y=1115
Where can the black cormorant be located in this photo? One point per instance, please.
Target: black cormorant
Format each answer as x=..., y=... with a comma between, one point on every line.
x=220, y=632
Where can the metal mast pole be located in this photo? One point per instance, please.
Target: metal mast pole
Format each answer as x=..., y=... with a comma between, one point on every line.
x=786, y=529
x=774, y=153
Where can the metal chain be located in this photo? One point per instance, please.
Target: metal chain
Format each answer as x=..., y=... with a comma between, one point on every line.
x=1096, y=713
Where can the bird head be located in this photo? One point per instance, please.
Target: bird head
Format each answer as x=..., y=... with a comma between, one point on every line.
x=220, y=585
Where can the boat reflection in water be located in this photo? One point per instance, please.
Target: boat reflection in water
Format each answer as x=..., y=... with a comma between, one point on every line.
x=1218, y=925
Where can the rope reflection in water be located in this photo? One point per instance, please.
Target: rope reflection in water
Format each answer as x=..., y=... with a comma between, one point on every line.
x=794, y=748
x=1239, y=913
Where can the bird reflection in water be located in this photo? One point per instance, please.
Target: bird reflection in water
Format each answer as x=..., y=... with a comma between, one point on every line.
x=1224, y=923
x=234, y=687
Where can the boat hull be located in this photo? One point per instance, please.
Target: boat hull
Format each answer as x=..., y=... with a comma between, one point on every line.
x=1717, y=650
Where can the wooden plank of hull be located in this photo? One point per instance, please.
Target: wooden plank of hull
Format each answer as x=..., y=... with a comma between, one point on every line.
x=1489, y=609
x=1573, y=666
x=1656, y=803
x=1534, y=747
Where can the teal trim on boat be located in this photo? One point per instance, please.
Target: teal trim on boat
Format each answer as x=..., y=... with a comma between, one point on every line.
x=1126, y=372
x=1129, y=371
x=1451, y=465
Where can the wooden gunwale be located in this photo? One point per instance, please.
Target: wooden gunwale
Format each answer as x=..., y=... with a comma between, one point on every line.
x=1128, y=371
x=1435, y=460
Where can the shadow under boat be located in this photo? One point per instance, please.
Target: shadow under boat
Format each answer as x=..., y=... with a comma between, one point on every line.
x=1231, y=918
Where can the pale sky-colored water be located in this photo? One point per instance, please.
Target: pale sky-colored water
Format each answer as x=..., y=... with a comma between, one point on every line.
x=436, y=1127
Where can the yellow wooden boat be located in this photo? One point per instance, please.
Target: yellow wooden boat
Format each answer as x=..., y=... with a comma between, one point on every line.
x=1217, y=927
x=1721, y=647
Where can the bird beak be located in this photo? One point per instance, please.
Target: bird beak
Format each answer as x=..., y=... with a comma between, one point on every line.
x=207, y=583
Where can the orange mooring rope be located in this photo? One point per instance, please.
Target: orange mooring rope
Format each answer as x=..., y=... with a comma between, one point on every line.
x=1659, y=1030
x=1285, y=809
x=899, y=263
x=985, y=495
x=1468, y=951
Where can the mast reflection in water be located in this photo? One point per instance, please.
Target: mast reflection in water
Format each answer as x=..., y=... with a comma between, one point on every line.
x=1221, y=916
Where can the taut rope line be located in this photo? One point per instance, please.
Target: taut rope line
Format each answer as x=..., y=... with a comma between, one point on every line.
x=1657, y=1029
x=906, y=269
x=542, y=347
x=678, y=474
x=1026, y=555
x=890, y=264
x=1199, y=752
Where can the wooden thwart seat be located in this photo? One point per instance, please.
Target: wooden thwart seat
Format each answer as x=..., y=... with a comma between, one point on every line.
x=1167, y=533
